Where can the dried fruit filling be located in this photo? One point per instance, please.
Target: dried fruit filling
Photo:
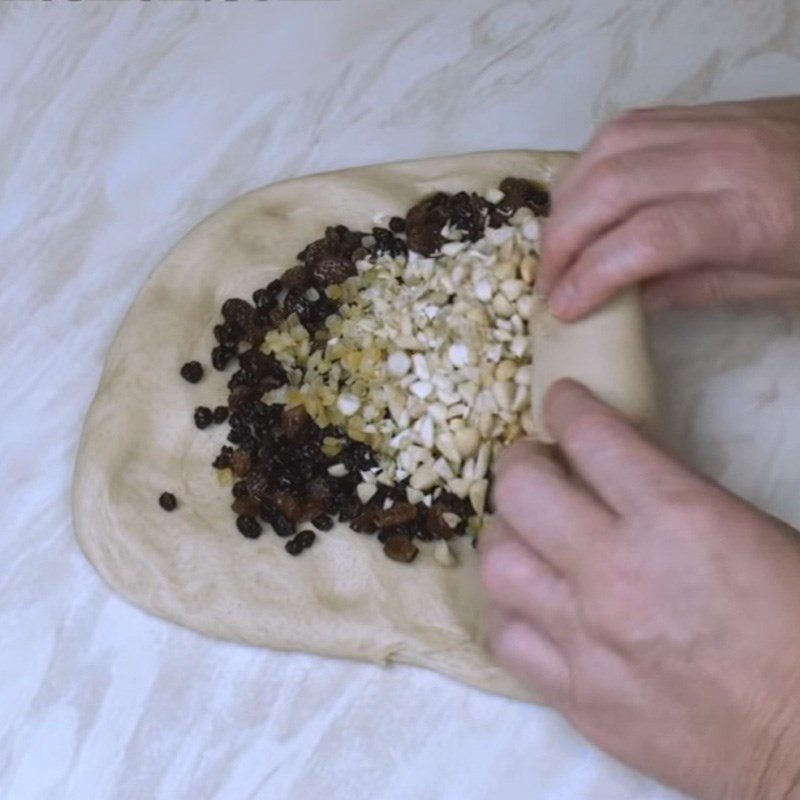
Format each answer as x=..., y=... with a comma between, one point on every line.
x=376, y=380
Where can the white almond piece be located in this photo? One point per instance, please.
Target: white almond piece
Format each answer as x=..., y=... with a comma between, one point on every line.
x=453, y=248
x=468, y=470
x=420, y=367
x=451, y=520
x=424, y=478
x=414, y=496
x=482, y=461
x=458, y=354
x=426, y=432
x=512, y=288
x=448, y=396
x=499, y=236
x=502, y=306
x=477, y=495
x=408, y=342
x=521, y=398
x=506, y=370
x=398, y=364
x=388, y=503
x=494, y=196
x=421, y=389
x=467, y=441
x=503, y=392
x=457, y=410
x=445, y=442
x=524, y=375
x=367, y=476
x=366, y=491
x=485, y=425
x=519, y=346
x=483, y=291
x=468, y=391
x=438, y=412
x=348, y=404
x=337, y=470
x=531, y=230
x=459, y=487
x=525, y=306
x=527, y=269
x=443, y=554
x=443, y=469
x=527, y=424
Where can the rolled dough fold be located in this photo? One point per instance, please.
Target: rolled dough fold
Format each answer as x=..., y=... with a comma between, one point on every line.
x=606, y=351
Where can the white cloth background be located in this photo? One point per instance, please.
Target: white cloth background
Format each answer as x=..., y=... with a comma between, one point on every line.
x=124, y=124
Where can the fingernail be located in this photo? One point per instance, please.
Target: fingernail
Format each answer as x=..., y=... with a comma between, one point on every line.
x=563, y=299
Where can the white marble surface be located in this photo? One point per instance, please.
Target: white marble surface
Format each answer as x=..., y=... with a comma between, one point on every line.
x=124, y=124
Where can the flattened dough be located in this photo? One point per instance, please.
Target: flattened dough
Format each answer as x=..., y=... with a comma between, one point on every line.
x=343, y=597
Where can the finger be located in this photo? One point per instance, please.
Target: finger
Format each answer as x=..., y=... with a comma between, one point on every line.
x=607, y=452
x=692, y=232
x=550, y=513
x=716, y=287
x=528, y=654
x=517, y=580
x=614, y=188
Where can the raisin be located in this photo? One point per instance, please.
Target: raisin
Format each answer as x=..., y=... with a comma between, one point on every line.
x=293, y=547
x=322, y=522
x=280, y=523
x=306, y=538
x=203, y=417
x=220, y=414
x=297, y=278
x=241, y=397
x=398, y=514
x=424, y=223
x=331, y=269
x=246, y=506
x=238, y=311
x=248, y=527
x=256, y=363
x=258, y=484
x=265, y=299
x=294, y=422
x=221, y=356
x=241, y=463
x=401, y=548
x=167, y=501
x=192, y=371
x=435, y=524
x=240, y=489
x=397, y=225
x=520, y=192
x=465, y=212
x=365, y=522
x=228, y=333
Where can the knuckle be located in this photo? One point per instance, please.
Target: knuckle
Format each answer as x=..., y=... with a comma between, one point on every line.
x=517, y=478
x=608, y=179
x=620, y=131
x=656, y=229
x=589, y=429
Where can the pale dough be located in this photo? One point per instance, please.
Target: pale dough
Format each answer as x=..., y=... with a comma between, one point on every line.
x=343, y=597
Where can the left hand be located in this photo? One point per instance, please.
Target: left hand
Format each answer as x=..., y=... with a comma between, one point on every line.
x=657, y=612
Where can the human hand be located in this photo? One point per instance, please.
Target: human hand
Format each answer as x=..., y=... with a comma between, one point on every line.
x=702, y=204
x=657, y=612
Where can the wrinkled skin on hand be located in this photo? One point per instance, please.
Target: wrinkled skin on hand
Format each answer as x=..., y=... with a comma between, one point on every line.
x=699, y=204
x=657, y=612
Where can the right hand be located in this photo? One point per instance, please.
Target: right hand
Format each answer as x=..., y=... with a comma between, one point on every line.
x=701, y=204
